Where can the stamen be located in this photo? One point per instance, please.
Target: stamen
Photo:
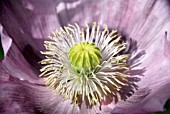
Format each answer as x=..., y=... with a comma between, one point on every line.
x=85, y=66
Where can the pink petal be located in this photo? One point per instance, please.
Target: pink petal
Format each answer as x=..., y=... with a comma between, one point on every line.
x=154, y=86
x=144, y=21
x=27, y=23
x=14, y=97
x=16, y=65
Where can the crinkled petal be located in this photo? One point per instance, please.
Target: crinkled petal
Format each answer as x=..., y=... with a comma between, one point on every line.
x=28, y=25
x=14, y=97
x=22, y=97
x=143, y=21
x=19, y=97
x=29, y=22
x=153, y=91
x=16, y=65
x=19, y=64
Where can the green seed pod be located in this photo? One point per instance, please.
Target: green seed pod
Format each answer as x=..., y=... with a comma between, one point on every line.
x=84, y=56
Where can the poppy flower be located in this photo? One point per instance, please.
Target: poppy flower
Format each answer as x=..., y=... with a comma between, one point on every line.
x=140, y=81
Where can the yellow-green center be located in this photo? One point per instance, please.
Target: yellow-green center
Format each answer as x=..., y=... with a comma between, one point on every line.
x=84, y=57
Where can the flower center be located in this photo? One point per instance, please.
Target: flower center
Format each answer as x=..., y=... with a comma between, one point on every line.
x=98, y=70
x=84, y=57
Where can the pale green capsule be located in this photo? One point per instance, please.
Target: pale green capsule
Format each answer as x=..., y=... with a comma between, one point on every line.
x=84, y=56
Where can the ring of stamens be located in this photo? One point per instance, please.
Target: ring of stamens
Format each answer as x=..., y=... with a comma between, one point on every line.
x=106, y=78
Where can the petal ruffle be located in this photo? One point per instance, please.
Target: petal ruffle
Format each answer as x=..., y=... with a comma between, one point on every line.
x=14, y=97
x=154, y=87
x=16, y=62
x=28, y=25
x=16, y=65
